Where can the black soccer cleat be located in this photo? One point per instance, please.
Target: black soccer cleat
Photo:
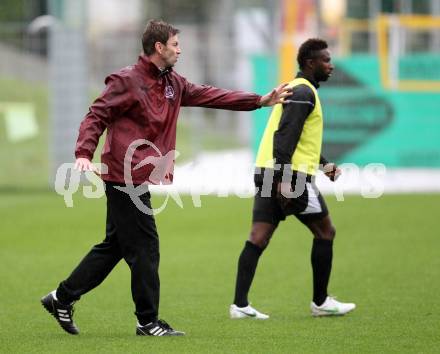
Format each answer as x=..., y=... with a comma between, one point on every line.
x=62, y=313
x=158, y=328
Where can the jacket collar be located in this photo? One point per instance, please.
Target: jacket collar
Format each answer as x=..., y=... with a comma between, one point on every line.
x=302, y=76
x=147, y=65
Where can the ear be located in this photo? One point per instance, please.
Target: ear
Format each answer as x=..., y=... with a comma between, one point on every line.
x=159, y=47
x=309, y=63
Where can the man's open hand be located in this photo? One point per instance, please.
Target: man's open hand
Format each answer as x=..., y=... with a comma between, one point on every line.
x=84, y=164
x=277, y=95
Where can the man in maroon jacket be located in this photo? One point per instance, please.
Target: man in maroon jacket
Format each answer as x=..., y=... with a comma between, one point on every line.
x=139, y=108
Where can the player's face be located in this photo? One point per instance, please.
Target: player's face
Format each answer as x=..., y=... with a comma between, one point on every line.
x=323, y=66
x=170, y=52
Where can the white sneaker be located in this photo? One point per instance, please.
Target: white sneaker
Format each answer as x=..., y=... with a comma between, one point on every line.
x=246, y=312
x=331, y=307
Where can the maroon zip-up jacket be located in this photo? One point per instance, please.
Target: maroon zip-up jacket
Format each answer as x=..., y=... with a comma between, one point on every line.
x=139, y=108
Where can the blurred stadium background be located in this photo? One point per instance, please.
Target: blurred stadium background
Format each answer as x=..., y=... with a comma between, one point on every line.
x=381, y=105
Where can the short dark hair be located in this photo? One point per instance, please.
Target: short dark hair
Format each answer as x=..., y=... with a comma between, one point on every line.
x=309, y=49
x=156, y=31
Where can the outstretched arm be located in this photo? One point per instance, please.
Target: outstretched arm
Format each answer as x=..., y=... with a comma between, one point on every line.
x=213, y=97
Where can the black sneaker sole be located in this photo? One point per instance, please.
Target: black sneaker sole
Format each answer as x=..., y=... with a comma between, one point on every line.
x=47, y=304
x=139, y=332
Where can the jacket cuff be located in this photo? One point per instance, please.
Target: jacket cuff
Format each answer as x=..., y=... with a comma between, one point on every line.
x=84, y=155
x=257, y=101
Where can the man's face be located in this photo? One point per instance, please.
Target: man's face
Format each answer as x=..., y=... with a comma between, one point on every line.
x=322, y=65
x=170, y=52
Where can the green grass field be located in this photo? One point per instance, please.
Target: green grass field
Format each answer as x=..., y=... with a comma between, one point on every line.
x=386, y=260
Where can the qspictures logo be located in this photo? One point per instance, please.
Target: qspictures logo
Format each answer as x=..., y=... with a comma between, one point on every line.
x=68, y=180
x=162, y=170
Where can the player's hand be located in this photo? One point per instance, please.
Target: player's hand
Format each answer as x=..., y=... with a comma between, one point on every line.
x=84, y=164
x=277, y=95
x=332, y=171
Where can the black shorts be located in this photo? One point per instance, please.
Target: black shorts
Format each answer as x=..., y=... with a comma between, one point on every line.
x=271, y=207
